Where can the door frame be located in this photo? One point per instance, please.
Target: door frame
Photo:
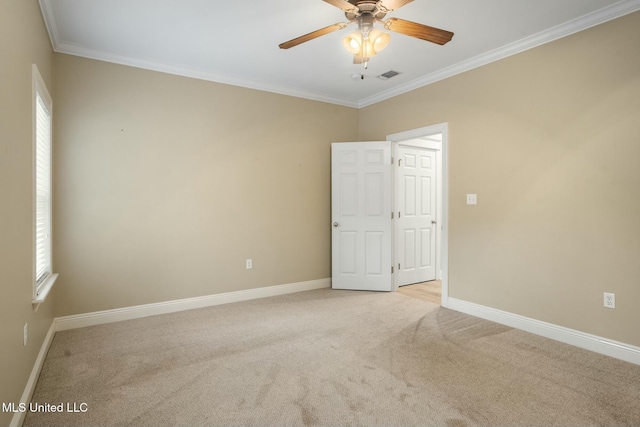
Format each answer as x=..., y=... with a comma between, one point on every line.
x=402, y=138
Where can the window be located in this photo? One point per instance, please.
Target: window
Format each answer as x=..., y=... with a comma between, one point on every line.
x=42, y=120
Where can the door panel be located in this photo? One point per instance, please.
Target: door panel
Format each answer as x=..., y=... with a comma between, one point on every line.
x=348, y=253
x=408, y=260
x=373, y=253
x=349, y=195
x=374, y=194
x=426, y=184
x=417, y=207
x=427, y=242
x=408, y=208
x=361, y=198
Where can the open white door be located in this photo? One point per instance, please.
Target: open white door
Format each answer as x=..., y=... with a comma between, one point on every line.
x=416, y=215
x=361, y=238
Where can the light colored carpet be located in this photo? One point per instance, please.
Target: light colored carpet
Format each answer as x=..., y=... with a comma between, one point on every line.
x=329, y=358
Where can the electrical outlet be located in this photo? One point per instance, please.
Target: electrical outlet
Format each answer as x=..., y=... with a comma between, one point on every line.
x=472, y=199
x=609, y=300
x=25, y=334
x=249, y=264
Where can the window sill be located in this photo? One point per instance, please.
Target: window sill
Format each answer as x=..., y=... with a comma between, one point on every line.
x=45, y=289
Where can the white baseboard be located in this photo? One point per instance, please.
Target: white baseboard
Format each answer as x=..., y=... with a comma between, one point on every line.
x=136, y=312
x=18, y=417
x=622, y=351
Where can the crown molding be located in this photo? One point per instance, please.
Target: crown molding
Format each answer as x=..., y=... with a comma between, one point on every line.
x=584, y=22
x=617, y=10
x=50, y=22
x=194, y=73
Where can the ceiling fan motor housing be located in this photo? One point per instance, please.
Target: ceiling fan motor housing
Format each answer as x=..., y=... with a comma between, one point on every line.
x=365, y=7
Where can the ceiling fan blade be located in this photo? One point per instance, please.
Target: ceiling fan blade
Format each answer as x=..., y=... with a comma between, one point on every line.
x=389, y=5
x=312, y=35
x=344, y=5
x=420, y=31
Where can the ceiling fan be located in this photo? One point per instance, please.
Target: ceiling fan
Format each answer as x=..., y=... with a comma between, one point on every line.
x=368, y=41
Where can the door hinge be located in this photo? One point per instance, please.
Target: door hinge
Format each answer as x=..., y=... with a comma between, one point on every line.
x=392, y=160
x=399, y=161
x=399, y=214
x=398, y=266
x=391, y=215
x=392, y=269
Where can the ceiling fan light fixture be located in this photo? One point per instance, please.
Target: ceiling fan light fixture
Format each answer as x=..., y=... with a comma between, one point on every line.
x=379, y=40
x=353, y=42
x=366, y=47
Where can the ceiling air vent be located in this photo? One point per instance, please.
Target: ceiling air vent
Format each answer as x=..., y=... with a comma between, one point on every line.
x=388, y=75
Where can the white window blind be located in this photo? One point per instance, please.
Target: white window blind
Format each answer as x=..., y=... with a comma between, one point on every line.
x=43, y=190
x=42, y=124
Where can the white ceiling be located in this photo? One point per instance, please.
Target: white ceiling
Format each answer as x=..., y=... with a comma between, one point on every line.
x=236, y=42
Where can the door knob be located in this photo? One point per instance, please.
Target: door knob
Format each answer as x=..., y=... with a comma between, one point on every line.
x=433, y=222
x=335, y=224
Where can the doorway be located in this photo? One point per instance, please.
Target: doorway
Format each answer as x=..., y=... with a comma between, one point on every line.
x=422, y=240
x=364, y=210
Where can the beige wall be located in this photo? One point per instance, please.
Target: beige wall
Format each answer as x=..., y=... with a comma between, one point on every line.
x=550, y=141
x=23, y=41
x=165, y=185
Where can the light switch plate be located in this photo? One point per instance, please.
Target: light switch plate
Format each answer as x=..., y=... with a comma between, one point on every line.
x=472, y=199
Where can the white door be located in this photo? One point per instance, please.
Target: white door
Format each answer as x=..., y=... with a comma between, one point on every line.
x=361, y=238
x=416, y=222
